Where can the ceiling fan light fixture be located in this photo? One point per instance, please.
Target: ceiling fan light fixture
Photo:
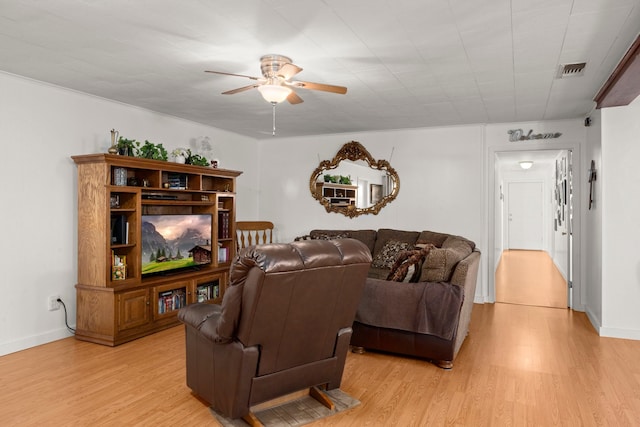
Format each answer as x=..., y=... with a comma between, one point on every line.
x=526, y=164
x=274, y=93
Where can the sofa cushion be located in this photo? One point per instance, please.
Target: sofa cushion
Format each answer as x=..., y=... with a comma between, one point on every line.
x=368, y=237
x=389, y=252
x=440, y=263
x=457, y=241
x=378, y=273
x=436, y=239
x=338, y=234
x=386, y=234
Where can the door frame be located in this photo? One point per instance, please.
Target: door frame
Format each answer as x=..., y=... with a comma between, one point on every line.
x=494, y=248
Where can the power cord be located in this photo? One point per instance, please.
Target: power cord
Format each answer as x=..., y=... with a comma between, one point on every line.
x=73, y=331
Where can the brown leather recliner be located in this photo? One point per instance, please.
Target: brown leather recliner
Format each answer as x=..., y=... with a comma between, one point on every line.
x=284, y=324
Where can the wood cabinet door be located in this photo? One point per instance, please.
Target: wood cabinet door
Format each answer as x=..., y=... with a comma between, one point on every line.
x=133, y=309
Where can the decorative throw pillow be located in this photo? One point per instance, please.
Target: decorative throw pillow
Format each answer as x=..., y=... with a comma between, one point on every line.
x=408, y=265
x=388, y=254
x=441, y=262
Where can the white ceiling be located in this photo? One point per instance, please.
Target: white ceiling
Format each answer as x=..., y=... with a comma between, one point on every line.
x=406, y=63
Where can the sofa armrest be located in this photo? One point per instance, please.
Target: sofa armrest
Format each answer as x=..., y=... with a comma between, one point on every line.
x=465, y=272
x=466, y=276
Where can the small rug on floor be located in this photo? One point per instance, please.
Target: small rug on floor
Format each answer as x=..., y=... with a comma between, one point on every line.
x=297, y=412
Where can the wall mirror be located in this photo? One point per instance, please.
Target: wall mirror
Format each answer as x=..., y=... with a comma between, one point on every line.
x=354, y=183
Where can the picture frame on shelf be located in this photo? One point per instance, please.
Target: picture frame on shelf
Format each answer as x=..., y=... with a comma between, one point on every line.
x=114, y=201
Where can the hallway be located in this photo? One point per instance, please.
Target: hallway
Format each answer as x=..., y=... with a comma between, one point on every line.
x=530, y=278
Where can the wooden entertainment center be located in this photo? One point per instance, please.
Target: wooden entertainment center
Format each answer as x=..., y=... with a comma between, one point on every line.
x=115, y=302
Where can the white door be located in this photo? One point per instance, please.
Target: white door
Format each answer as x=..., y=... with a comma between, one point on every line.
x=524, y=215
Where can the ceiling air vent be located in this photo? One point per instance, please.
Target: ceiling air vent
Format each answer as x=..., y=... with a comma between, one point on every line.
x=571, y=70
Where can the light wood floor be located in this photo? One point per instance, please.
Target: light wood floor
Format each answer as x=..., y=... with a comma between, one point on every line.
x=520, y=366
x=530, y=278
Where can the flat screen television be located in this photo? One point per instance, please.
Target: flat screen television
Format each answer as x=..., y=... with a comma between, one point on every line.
x=175, y=242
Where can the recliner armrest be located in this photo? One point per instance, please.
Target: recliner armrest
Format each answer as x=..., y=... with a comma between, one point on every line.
x=196, y=314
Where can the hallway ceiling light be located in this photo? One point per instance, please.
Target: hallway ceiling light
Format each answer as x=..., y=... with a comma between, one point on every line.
x=526, y=164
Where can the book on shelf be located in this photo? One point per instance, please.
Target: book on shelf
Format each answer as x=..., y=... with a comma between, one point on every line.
x=178, y=181
x=208, y=291
x=224, y=231
x=119, y=230
x=223, y=254
x=171, y=300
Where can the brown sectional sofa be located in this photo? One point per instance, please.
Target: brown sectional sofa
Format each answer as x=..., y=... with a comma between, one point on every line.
x=426, y=316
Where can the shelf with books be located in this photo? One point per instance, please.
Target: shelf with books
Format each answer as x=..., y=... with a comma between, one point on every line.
x=223, y=253
x=177, y=181
x=224, y=225
x=207, y=291
x=169, y=299
x=119, y=229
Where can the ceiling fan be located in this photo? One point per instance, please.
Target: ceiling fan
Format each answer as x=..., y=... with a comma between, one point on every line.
x=276, y=85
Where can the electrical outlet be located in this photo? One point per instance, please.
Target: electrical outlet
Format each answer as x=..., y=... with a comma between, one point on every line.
x=53, y=303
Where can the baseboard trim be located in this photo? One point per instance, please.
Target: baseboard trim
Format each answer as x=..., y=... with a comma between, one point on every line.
x=33, y=341
x=482, y=299
x=595, y=322
x=628, y=334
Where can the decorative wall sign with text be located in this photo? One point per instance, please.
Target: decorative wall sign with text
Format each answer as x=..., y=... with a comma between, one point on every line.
x=519, y=135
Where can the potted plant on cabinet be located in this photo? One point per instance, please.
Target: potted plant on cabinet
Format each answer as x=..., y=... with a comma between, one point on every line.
x=127, y=147
x=153, y=151
x=195, y=159
x=179, y=155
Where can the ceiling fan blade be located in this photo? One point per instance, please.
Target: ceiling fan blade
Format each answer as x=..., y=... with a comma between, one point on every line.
x=320, y=86
x=232, y=74
x=293, y=98
x=288, y=70
x=238, y=90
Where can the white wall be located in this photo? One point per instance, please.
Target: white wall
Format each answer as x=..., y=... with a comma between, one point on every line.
x=439, y=185
x=42, y=126
x=620, y=205
x=592, y=244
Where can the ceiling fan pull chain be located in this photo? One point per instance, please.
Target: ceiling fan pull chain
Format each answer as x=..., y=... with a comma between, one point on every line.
x=274, y=118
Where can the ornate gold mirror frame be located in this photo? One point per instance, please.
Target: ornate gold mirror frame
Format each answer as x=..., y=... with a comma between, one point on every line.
x=352, y=151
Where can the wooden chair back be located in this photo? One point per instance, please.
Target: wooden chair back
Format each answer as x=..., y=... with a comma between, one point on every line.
x=250, y=233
